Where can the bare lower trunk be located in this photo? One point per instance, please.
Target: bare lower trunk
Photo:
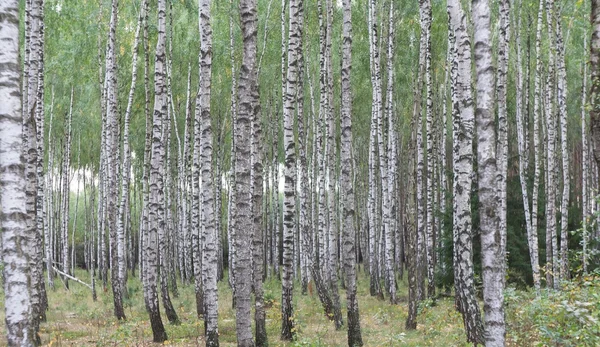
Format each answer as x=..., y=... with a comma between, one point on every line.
x=552, y=273
x=156, y=209
x=488, y=152
x=289, y=208
x=209, y=237
x=562, y=117
x=14, y=219
x=463, y=122
x=347, y=186
x=242, y=215
x=375, y=285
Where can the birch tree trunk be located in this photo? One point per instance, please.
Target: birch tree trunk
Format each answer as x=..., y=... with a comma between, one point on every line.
x=562, y=117
x=375, y=285
x=165, y=231
x=289, y=208
x=64, y=207
x=422, y=228
x=209, y=260
x=111, y=147
x=552, y=269
x=502, y=132
x=410, y=227
x=346, y=184
x=330, y=164
x=429, y=231
x=390, y=199
x=463, y=123
x=197, y=195
x=242, y=216
x=305, y=191
x=156, y=209
x=14, y=219
x=257, y=220
x=537, y=115
x=492, y=252
x=183, y=173
x=33, y=151
x=48, y=203
x=144, y=226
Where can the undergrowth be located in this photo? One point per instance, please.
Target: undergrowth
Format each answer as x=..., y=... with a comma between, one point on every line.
x=553, y=318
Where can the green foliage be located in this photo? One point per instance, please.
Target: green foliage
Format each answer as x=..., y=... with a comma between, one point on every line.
x=570, y=317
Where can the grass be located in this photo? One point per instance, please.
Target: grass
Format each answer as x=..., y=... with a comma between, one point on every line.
x=74, y=319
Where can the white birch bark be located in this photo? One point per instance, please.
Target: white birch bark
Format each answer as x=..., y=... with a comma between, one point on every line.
x=257, y=221
x=346, y=180
x=428, y=178
x=209, y=260
x=14, y=219
x=197, y=195
x=48, y=203
x=566, y=181
x=111, y=147
x=488, y=153
x=64, y=208
x=289, y=207
x=242, y=216
x=389, y=203
x=33, y=150
x=463, y=124
x=332, y=241
x=375, y=285
x=156, y=209
x=422, y=227
x=537, y=118
x=502, y=132
x=552, y=270
x=164, y=233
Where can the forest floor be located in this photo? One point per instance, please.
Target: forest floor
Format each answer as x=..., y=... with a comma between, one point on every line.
x=74, y=319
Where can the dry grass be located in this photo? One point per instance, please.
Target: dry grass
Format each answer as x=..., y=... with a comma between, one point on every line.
x=75, y=320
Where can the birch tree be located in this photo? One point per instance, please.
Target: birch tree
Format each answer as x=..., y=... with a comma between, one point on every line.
x=289, y=207
x=257, y=155
x=428, y=179
x=156, y=209
x=111, y=148
x=242, y=214
x=463, y=123
x=14, y=219
x=197, y=204
x=33, y=150
x=347, y=189
x=552, y=270
x=537, y=115
x=209, y=260
x=375, y=285
x=64, y=201
x=562, y=118
x=492, y=245
x=389, y=201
